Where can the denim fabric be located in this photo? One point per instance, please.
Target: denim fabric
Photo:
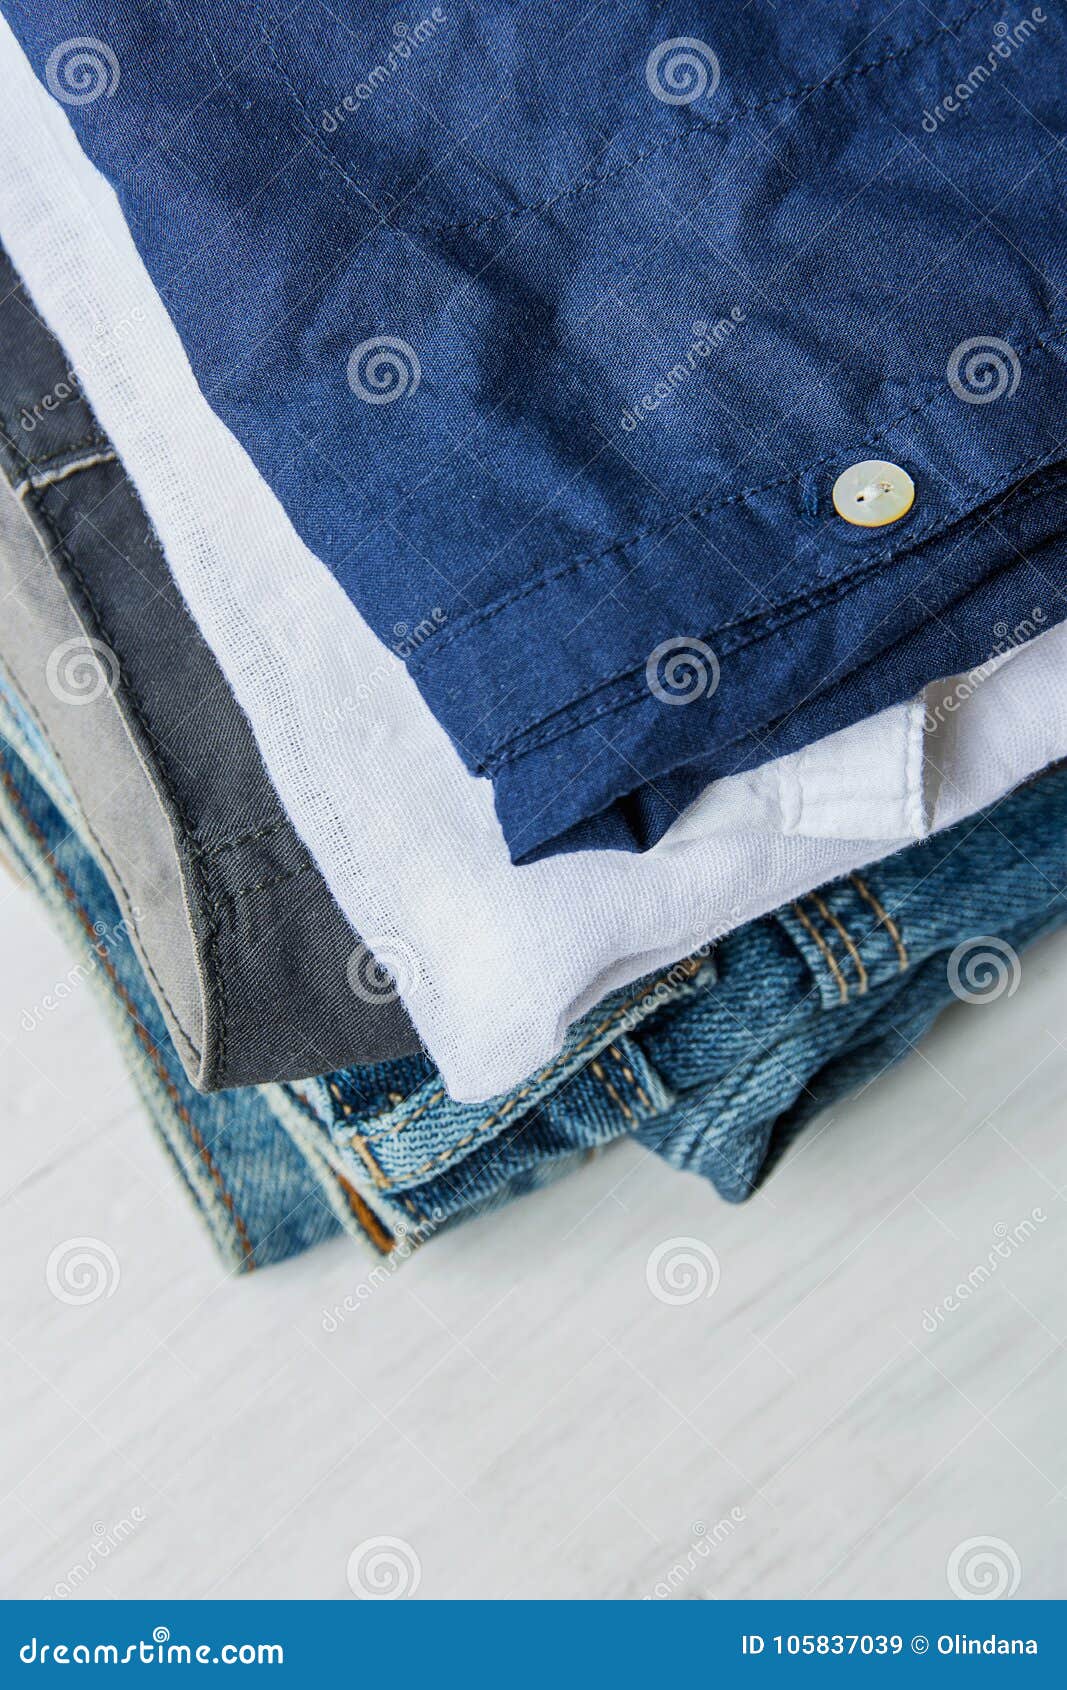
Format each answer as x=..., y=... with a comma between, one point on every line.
x=252, y=970
x=553, y=337
x=261, y=1162
x=820, y=1000
x=719, y=1071
x=717, y=1064
x=260, y=1193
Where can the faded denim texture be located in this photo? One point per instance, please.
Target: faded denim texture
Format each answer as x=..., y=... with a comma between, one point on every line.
x=553, y=335
x=716, y=1065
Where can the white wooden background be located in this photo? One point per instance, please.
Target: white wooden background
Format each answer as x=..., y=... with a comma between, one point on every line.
x=515, y=1406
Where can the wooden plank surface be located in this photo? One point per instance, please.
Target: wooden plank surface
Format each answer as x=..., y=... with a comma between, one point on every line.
x=515, y=1406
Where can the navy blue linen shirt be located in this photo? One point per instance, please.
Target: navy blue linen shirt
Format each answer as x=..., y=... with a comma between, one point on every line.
x=552, y=328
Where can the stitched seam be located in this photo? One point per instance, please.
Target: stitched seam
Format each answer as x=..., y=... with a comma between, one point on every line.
x=128, y=1004
x=387, y=1132
x=781, y=616
x=610, y=1089
x=444, y=637
x=850, y=945
x=379, y=1177
x=883, y=916
x=364, y=1214
x=479, y=1132
x=48, y=478
x=30, y=466
x=381, y=1240
x=335, y=1092
x=214, y=986
x=225, y=897
x=105, y=856
x=220, y=847
x=516, y=1097
x=342, y=190
x=831, y=960
x=135, y=707
x=698, y=126
x=613, y=1050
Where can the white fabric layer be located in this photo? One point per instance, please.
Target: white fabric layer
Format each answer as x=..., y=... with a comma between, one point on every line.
x=493, y=961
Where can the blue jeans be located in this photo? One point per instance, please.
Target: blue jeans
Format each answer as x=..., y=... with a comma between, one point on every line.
x=716, y=1064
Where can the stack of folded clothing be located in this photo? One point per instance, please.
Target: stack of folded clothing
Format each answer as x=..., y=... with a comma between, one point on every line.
x=534, y=578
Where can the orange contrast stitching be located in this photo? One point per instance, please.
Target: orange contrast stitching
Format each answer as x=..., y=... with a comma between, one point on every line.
x=610, y=1089
x=846, y=936
x=883, y=916
x=842, y=985
x=692, y=967
x=613, y=1050
x=368, y=1220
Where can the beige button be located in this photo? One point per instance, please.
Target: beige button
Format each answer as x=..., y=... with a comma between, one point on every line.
x=873, y=493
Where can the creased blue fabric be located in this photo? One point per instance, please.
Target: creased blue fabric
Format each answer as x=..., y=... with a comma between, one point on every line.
x=717, y=1065
x=552, y=333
